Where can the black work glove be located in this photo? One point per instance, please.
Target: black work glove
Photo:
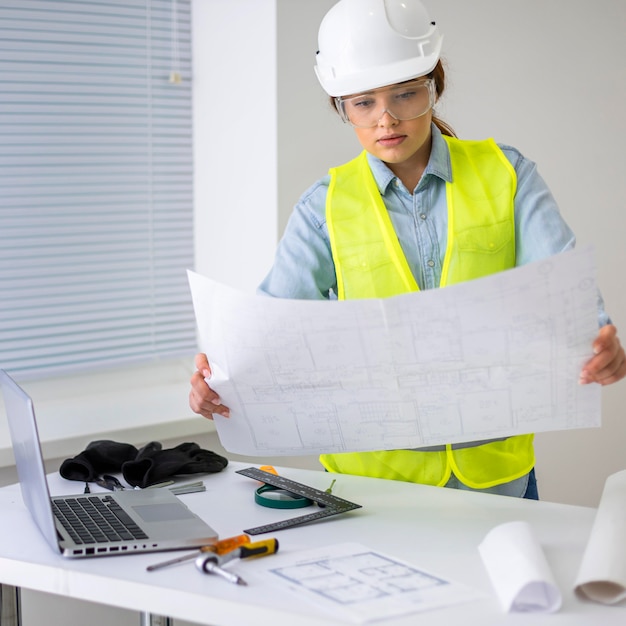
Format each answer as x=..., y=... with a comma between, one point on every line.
x=154, y=465
x=99, y=457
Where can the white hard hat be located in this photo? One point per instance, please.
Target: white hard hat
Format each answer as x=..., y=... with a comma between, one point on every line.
x=364, y=44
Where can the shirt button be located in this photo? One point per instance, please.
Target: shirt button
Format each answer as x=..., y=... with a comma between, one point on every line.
x=423, y=216
x=431, y=264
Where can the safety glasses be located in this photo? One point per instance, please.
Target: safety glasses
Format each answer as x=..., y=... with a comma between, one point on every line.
x=404, y=101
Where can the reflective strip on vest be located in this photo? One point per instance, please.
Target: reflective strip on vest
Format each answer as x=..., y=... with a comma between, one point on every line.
x=370, y=263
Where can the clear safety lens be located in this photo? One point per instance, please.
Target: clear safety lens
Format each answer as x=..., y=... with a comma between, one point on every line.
x=405, y=101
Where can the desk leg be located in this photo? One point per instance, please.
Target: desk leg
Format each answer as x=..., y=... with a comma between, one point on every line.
x=147, y=619
x=10, y=606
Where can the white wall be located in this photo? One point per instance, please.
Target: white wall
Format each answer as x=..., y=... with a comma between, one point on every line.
x=545, y=76
x=311, y=137
x=235, y=139
x=549, y=78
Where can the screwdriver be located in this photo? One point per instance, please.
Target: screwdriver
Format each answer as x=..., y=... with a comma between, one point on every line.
x=249, y=551
x=212, y=563
x=221, y=547
x=209, y=565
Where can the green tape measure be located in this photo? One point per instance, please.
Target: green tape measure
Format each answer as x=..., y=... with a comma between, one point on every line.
x=277, y=498
x=332, y=505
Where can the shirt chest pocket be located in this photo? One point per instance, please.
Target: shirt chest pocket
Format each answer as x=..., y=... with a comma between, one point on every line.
x=491, y=238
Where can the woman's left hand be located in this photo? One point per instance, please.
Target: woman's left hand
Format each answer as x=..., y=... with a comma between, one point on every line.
x=608, y=365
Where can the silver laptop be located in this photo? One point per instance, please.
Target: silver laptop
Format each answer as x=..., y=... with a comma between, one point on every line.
x=128, y=521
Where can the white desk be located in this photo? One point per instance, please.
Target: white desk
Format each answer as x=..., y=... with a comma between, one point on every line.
x=436, y=529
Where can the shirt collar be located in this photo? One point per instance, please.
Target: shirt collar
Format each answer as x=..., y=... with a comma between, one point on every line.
x=438, y=164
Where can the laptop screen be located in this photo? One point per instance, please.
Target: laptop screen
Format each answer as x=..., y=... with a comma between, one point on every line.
x=28, y=458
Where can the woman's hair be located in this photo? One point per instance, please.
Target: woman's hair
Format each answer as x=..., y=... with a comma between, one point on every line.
x=439, y=76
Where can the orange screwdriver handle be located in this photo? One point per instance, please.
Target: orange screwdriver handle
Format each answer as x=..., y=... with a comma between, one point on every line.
x=226, y=545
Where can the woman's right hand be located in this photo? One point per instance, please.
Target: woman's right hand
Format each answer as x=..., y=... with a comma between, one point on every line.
x=202, y=399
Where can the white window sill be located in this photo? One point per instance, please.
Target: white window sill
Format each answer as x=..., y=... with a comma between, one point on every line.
x=133, y=405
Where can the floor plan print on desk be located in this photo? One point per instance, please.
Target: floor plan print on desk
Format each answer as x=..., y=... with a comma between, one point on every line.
x=362, y=585
x=491, y=357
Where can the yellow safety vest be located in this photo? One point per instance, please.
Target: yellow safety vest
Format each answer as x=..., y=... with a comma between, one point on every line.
x=370, y=263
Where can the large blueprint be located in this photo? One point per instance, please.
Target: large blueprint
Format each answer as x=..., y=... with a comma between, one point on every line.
x=487, y=358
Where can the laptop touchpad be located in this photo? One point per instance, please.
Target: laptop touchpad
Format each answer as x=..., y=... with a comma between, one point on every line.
x=163, y=512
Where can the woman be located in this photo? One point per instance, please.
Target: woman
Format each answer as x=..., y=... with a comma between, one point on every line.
x=418, y=209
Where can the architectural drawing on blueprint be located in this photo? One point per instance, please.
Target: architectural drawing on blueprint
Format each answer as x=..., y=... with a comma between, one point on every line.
x=358, y=577
x=491, y=357
x=359, y=583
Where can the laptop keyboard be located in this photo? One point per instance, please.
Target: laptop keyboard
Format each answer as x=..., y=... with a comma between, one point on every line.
x=96, y=520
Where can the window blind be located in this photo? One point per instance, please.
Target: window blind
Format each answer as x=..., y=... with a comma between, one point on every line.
x=96, y=221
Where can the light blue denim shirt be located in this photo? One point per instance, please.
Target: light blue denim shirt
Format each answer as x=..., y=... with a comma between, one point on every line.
x=304, y=268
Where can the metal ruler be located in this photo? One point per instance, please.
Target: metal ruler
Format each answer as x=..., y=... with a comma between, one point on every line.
x=332, y=505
